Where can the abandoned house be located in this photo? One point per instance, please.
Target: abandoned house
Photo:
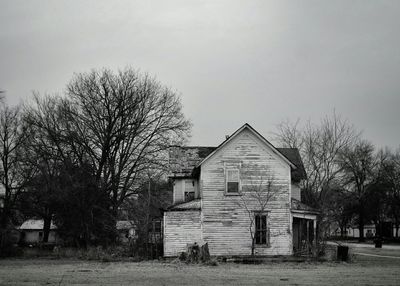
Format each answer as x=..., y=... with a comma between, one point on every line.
x=214, y=198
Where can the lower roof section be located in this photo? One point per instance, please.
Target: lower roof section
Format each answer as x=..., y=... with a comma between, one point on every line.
x=186, y=206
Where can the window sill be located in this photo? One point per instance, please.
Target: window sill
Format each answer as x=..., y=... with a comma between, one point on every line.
x=232, y=194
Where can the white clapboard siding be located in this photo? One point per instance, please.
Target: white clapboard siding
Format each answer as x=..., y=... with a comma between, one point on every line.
x=180, y=228
x=225, y=223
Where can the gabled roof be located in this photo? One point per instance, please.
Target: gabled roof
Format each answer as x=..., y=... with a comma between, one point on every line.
x=247, y=126
x=293, y=156
x=185, y=161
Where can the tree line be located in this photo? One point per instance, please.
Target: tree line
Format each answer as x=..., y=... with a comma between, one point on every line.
x=78, y=157
x=348, y=179
x=81, y=158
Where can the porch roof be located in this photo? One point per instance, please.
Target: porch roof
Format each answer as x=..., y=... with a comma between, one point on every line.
x=186, y=206
x=299, y=207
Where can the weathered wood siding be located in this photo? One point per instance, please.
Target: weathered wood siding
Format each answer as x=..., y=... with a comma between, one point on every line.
x=296, y=192
x=225, y=223
x=180, y=228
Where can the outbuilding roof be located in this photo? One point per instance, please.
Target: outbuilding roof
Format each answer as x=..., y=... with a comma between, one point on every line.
x=35, y=224
x=125, y=224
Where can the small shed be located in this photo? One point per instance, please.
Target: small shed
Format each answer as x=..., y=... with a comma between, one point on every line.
x=126, y=230
x=32, y=232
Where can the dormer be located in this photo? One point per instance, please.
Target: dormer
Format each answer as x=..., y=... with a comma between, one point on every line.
x=182, y=165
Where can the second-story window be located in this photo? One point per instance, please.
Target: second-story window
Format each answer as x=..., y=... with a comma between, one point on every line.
x=232, y=181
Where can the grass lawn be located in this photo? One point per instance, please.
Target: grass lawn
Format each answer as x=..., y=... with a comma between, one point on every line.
x=363, y=271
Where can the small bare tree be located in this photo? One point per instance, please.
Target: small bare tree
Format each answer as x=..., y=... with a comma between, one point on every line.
x=256, y=196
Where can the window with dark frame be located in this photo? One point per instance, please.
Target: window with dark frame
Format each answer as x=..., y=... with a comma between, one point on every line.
x=261, y=230
x=232, y=181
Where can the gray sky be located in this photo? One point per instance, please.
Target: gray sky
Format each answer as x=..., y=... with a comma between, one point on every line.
x=233, y=62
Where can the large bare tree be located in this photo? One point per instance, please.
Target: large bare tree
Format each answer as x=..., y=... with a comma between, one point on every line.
x=124, y=121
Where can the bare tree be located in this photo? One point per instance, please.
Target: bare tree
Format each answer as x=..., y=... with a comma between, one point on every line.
x=118, y=123
x=358, y=163
x=319, y=146
x=13, y=174
x=124, y=121
x=257, y=194
x=49, y=147
x=390, y=176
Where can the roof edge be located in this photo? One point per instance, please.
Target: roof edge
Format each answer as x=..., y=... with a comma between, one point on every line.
x=262, y=138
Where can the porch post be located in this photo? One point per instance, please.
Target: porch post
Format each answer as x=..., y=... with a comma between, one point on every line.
x=315, y=236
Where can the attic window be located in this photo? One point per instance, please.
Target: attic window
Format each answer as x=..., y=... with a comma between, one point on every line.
x=232, y=181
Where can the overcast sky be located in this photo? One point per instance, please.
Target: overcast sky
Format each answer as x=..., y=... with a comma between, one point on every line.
x=233, y=62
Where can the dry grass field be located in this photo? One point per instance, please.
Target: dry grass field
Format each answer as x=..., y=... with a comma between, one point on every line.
x=363, y=270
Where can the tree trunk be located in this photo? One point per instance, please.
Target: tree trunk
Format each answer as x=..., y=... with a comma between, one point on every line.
x=46, y=228
x=341, y=231
x=4, y=217
x=361, y=226
x=148, y=219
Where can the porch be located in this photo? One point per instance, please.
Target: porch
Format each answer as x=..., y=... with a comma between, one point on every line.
x=304, y=226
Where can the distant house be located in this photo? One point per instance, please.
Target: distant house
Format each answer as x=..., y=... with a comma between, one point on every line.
x=210, y=182
x=386, y=229
x=32, y=232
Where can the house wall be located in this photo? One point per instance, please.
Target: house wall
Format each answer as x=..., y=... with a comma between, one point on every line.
x=355, y=232
x=180, y=228
x=32, y=236
x=296, y=192
x=225, y=222
x=180, y=188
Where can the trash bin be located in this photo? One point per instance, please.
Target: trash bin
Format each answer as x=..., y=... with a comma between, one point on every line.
x=342, y=253
x=378, y=243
